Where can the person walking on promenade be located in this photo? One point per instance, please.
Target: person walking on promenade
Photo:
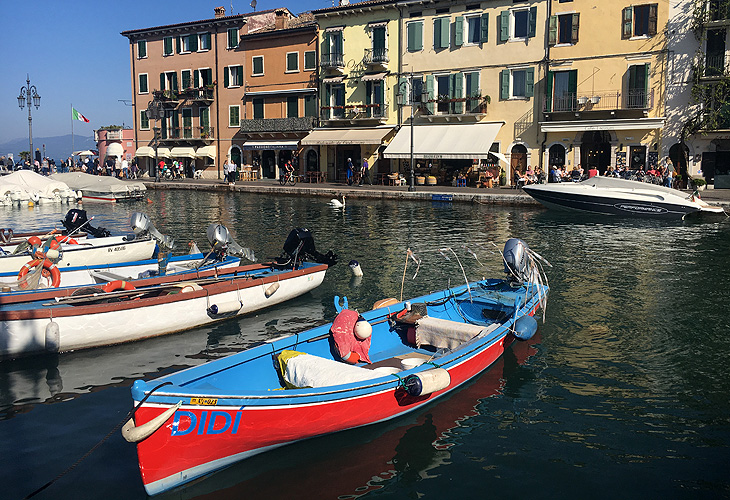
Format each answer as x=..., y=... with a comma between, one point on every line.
x=365, y=172
x=350, y=171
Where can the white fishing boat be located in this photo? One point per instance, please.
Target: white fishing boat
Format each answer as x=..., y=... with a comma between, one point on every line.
x=102, y=187
x=26, y=186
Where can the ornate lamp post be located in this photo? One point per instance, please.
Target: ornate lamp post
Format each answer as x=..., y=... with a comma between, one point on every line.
x=401, y=100
x=155, y=111
x=30, y=94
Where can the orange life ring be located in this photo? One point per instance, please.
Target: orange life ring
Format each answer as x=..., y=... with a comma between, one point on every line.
x=65, y=239
x=118, y=285
x=49, y=269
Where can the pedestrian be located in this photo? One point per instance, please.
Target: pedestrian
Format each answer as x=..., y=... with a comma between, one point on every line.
x=125, y=168
x=230, y=170
x=160, y=168
x=365, y=172
x=350, y=171
x=670, y=172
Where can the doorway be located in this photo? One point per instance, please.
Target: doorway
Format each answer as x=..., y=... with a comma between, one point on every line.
x=312, y=163
x=518, y=159
x=556, y=155
x=679, y=160
x=595, y=150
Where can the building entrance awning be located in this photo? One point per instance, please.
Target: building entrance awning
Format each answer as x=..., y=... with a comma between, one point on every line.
x=344, y=136
x=450, y=141
x=617, y=124
x=288, y=145
x=205, y=152
x=182, y=152
x=147, y=151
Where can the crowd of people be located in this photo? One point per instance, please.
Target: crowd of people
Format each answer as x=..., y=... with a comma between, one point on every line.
x=663, y=174
x=117, y=167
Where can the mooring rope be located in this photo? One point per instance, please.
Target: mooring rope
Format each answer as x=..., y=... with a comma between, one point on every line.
x=130, y=414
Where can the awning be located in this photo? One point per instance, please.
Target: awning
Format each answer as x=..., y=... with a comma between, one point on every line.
x=373, y=76
x=147, y=151
x=334, y=79
x=333, y=137
x=289, y=145
x=182, y=152
x=114, y=149
x=206, y=152
x=163, y=153
x=450, y=141
x=617, y=124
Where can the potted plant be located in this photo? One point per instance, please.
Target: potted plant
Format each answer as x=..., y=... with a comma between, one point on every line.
x=502, y=178
x=582, y=101
x=700, y=183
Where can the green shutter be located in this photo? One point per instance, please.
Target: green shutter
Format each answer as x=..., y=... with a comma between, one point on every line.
x=484, y=25
x=338, y=42
x=553, y=30
x=573, y=83
x=530, y=82
x=445, y=25
x=178, y=44
x=411, y=33
x=226, y=79
x=418, y=37
x=194, y=43
x=162, y=81
x=239, y=74
x=327, y=96
x=549, y=92
x=574, y=32
x=532, y=22
x=459, y=31
x=380, y=93
x=402, y=89
x=652, y=19
x=174, y=82
x=504, y=26
x=437, y=33
x=206, y=37
x=185, y=79
x=626, y=23
x=167, y=45
x=430, y=106
x=368, y=91
x=457, y=91
x=475, y=94
x=310, y=105
x=379, y=38
x=196, y=78
x=504, y=84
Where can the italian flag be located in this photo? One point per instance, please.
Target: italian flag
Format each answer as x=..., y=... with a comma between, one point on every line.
x=75, y=115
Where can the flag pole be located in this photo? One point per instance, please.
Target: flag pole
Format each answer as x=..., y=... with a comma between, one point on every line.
x=72, y=130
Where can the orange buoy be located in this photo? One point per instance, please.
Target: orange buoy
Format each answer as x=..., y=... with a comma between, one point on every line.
x=118, y=285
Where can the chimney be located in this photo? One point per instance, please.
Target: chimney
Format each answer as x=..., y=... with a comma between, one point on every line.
x=219, y=12
x=344, y=2
x=282, y=19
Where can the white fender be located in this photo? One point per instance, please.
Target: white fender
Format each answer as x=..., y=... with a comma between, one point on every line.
x=53, y=337
x=273, y=288
x=225, y=307
x=133, y=434
x=427, y=382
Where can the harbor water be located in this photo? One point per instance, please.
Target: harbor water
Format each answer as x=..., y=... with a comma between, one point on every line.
x=623, y=393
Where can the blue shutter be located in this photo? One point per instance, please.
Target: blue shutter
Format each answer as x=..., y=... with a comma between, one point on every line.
x=504, y=26
x=459, y=31
x=504, y=84
x=484, y=25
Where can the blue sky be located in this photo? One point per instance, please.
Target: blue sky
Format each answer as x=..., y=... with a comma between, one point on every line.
x=74, y=54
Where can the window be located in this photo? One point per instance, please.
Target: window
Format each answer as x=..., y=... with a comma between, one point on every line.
x=517, y=24
x=143, y=84
x=310, y=105
x=234, y=116
x=563, y=29
x=292, y=107
x=333, y=48
x=335, y=100
x=473, y=93
x=167, y=46
x=441, y=33
x=186, y=79
x=258, y=108
x=141, y=49
x=715, y=53
x=379, y=50
x=292, y=62
x=443, y=90
x=203, y=77
x=375, y=98
x=232, y=38
x=258, y=65
x=203, y=42
x=638, y=86
x=310, y=60
x=473, y=30
x=184, y=44
x=639, y=21
x=414, y=31
x=517, y=83
x=562, y=90
x=233, y=76
x=187, y=123
x=205, y=122
x=144, y=120
x=168, y=80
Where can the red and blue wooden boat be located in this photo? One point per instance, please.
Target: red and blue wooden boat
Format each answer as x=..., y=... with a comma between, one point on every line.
x=361, y=369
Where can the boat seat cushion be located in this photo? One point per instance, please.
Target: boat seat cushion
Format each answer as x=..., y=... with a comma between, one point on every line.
x=445, y=333
x=300, y=370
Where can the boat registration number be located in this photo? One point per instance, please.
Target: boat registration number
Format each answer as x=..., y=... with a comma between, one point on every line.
x=116, y=249
x=204, y=401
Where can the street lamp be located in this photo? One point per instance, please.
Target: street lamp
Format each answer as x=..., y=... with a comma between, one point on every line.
x=29, y=94
x=402, y=101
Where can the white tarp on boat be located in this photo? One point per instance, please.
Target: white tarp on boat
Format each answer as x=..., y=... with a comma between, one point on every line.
x=31, y=183
x=100, y=184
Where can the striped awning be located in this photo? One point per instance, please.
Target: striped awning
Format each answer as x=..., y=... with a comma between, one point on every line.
x=449, y=141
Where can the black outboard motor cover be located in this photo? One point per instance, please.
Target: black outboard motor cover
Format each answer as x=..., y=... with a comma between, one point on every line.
x=76, y=220
x=299, y=245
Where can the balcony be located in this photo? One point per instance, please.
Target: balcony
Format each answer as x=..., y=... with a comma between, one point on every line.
x=600, y=101
x=333, y=60
x=355, y=113
x=715, y=66
x=168, y=98
x=204, y=134
x=376, y=57
x=201, y=94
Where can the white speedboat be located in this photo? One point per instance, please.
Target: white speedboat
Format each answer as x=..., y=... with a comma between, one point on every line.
x=103, y=187
x=612, y=196
x=26, y=186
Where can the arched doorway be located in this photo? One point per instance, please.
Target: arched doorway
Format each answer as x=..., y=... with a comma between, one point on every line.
x=679, y=159
x=556, y=155
x=236, y=156
x=312, y=163
x=518, y=159
x=595, y=150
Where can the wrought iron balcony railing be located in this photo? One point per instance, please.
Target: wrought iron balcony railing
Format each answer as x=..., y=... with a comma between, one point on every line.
x=599, y=101
x=376, y=56
x=332, y=60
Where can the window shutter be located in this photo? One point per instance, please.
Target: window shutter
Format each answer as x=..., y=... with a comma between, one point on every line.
x=459, y=31
x=380, y=93
x=457, y=91
x=338, y=42
x=504, y=26
x=379, y=38
x=437, y=36
x=504, y=84
x=652, y=19
x=207, y=40
x=239, y=74
x=411, y=32
x=174, y=82
x=403, y=89
x=549, y=92
x=368, y=92
x=328, y=96
x=226, y=78
x=626, y=26
x=418, y=36
x=573, y=82
x=178, y=44
x=196, y=78
x=484, y=25
x=162, y=81
x=532, y=22
x=646, y=81
x=185, y=79
x=553, y=30
x=530, y=82
x=574, y=32
x=194, y=43
x=430, y=106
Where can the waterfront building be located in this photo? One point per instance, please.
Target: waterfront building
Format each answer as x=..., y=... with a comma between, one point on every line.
x=358, y=68
x=603, y=99
x=116, y=142
x=193, y=73
x=280, y=93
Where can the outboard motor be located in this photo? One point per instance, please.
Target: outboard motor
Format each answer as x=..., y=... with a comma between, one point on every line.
x=222, y=242
x=76, y=221
x=516, y=261
x=299, y=245
x=141, y=225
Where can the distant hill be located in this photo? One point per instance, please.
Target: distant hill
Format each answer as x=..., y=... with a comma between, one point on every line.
x=58, y=148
